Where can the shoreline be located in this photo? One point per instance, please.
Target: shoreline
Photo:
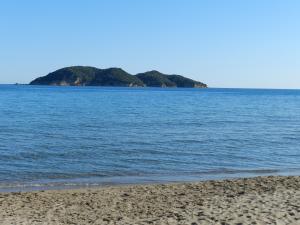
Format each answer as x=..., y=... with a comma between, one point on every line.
x=46, y=185
x=258, y=200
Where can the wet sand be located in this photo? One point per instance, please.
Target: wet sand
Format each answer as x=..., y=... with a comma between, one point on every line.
x=260, y=200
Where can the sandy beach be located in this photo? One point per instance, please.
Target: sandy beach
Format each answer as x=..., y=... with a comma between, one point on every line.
x=261, y=200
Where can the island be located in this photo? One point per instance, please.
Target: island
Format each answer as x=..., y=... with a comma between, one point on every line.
x=91, y=76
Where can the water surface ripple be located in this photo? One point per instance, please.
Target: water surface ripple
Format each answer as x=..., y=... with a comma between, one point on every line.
x=96, y=135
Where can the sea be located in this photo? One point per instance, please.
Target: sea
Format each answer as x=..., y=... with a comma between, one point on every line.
x=69, y=137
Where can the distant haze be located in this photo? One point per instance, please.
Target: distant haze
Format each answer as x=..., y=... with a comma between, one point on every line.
x=222, y=43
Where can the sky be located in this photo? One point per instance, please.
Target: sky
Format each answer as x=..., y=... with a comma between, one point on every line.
x=224, y=43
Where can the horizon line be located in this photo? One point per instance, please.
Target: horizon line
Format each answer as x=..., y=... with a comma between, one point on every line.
x=209, y=87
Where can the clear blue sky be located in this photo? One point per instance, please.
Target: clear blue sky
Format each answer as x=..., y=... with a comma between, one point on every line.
x=224, y=43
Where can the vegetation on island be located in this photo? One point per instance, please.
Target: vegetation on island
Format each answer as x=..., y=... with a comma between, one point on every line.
x=91, y=76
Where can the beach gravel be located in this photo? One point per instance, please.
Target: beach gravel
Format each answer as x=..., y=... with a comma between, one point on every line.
x=260, y=200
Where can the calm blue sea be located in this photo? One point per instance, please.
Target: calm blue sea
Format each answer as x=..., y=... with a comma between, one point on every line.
x=77, y=136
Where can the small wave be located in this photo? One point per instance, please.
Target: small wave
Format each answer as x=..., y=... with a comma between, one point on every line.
x=146, y=178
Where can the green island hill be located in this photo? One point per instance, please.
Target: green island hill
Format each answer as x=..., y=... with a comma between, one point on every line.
x=91, y=76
